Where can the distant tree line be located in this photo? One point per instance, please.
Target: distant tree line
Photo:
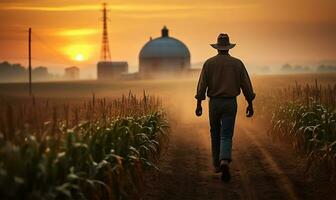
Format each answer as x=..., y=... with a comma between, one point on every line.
x=326, y=68
x=18, y=73
x=288, y=68
x=295, y=68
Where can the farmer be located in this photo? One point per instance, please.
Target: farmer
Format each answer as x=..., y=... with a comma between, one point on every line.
x=222, y=77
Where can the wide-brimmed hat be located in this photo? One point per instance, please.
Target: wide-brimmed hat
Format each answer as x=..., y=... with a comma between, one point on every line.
x=223, y=42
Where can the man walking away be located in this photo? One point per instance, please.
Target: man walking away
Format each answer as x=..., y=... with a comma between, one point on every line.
x=222, y=77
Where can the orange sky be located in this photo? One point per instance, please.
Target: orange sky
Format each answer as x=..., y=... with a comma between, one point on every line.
x=266, y=32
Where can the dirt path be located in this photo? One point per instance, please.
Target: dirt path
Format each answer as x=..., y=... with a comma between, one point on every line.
x=261, y=169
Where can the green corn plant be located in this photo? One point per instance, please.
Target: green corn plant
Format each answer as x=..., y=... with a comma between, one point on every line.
x=304, y=117
x=80, y=154
x=310, y=129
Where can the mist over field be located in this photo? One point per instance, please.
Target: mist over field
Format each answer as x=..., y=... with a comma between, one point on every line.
x=10, y=72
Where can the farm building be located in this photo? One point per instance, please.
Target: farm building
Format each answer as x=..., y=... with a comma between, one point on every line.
x=71, y=72
x=164, y=55
x=107, y=70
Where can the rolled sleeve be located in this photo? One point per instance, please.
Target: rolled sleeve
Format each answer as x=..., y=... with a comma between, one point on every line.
x=246, y=85
x=202, y=84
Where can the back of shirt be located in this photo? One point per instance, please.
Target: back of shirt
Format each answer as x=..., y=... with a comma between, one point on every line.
x=224, y=76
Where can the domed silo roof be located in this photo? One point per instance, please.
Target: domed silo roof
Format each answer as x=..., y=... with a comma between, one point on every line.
x=164, y=47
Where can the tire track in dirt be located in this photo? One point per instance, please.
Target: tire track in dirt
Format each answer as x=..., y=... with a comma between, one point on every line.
x=291, y=165
x=248, y=192
x=258, y=180
x=283, y=181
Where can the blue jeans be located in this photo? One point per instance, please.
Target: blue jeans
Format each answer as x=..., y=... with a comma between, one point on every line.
x=222, y=116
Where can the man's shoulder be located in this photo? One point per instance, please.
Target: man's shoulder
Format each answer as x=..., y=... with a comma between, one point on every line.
x=218, y=58
x=212, y=59
x=236, y=60
x=229, y=57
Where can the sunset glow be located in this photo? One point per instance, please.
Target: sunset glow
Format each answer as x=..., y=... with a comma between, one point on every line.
x=78, y=32
x=266, y=32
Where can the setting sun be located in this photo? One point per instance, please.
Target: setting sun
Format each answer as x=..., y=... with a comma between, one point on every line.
x=79, y=57
x=79, y=52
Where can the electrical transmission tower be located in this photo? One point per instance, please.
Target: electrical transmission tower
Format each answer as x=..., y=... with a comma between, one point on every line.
x=105, y=50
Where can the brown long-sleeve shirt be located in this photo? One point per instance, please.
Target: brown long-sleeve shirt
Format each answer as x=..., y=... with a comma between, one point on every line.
x=224, y=76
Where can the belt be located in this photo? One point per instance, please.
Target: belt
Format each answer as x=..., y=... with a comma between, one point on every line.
x=223, y=97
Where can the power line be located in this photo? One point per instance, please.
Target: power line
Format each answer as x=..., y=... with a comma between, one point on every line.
x=50, y=48
x=29, y=63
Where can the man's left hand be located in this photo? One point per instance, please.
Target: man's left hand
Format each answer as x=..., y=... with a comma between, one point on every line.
x=249, y=110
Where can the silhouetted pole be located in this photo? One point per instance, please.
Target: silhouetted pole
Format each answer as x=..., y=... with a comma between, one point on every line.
x=29, y=64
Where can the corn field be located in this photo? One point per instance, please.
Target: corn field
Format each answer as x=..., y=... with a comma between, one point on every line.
x=305, y=117
x=93, y=149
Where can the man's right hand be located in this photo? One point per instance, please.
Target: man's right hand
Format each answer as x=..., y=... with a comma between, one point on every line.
x=198, y=110
x=249, y=110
